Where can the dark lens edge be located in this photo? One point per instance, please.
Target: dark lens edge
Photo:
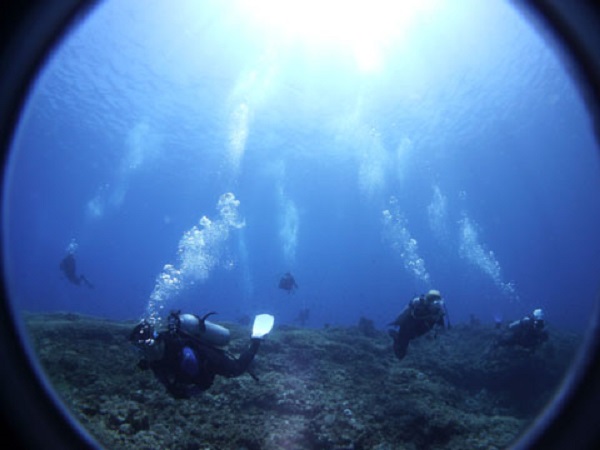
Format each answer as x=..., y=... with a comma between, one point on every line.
x=35, y=417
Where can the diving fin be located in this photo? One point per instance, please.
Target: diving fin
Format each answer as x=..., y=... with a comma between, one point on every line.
x=263, y=324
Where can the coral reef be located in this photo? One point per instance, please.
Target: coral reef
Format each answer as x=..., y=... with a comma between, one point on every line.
x=333, y=388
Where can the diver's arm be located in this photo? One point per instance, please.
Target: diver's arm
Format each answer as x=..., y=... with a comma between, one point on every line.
x=441, y=323
x=447, y=316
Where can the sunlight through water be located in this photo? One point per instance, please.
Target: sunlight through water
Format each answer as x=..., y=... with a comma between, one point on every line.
x=364, y=28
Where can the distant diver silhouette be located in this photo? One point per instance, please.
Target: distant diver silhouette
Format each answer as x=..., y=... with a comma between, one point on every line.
x=288, y=283
x=303, y=316
x=68, y=267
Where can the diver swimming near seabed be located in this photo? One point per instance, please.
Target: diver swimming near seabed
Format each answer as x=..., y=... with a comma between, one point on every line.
x=288, y=283
x=528, y=333
x=187, y=356
x=69, y=267
x=422, y=314
x=303, y=316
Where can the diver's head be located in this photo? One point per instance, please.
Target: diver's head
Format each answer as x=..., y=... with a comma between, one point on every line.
x=433, y=295
x=538, y=319
x=142, y=332
x=143, y=337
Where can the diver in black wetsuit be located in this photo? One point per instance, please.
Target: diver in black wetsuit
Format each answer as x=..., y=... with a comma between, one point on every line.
x=185, y=358
x=68, y=266
x=288, y=283
x=528, y=333
x=417, y=318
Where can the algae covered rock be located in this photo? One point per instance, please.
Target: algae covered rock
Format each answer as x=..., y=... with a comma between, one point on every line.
x=334, y=388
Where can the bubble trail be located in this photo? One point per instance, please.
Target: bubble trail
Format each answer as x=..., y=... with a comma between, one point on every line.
x=199, y=252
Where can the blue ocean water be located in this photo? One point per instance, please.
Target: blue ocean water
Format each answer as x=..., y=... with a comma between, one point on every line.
x=196, y=154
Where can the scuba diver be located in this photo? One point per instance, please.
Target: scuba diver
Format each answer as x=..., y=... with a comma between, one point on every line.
x=186, y=356
x=528, y=332
x=288, y=283
x=68, y=267
x=417, y=318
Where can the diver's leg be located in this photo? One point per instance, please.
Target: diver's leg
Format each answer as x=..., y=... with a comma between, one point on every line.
x=221, y=364
x=86, y=281
x=400, y=344
x=248, y=355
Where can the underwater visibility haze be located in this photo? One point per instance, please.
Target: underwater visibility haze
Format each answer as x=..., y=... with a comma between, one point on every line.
x=449, y=150
x=191, y=155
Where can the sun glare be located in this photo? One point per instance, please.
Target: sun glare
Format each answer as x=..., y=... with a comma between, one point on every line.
x=366, y=28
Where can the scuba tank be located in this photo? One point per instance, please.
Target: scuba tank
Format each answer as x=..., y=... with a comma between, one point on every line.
x=204, y=330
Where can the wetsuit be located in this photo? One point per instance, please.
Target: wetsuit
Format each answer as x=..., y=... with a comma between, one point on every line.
x=527, y=332
x=417, y=318
x=288, y=283
x=68, y=266
x=189, y=366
